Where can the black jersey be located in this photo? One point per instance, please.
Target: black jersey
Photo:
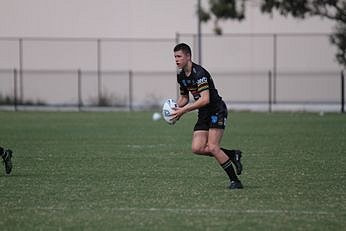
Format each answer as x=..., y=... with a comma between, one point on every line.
x=198, y=81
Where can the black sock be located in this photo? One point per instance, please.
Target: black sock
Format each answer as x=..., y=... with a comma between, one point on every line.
x=229, y=153
x=228, y=167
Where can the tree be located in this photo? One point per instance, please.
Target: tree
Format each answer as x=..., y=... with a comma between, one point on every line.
x=332, y=9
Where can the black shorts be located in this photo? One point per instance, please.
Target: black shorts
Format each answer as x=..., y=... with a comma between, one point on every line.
x=215, y=117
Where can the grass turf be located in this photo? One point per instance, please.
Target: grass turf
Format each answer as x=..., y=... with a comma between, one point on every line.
x=123, y=171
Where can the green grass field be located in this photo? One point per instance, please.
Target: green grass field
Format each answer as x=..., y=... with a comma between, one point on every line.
x=123, y=171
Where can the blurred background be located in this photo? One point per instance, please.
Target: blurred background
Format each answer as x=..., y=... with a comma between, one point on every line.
x=118, y=54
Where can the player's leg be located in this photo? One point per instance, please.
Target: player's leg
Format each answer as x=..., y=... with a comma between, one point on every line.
x=213, y=145
x=200, y=134
x=199, y=143
x=6, y=155
x=235, y=156
x=214, y=139
x=208, y=143
x=218, y=120
x=200, y=146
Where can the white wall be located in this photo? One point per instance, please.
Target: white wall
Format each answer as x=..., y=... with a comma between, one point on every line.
x=161, y=19
x=131, y=18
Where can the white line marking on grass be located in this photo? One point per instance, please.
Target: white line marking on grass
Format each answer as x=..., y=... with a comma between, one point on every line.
x=191, y=211
x=140, y=146
x=224, y=211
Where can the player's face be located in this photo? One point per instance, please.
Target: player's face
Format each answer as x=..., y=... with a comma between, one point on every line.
x=181, y=59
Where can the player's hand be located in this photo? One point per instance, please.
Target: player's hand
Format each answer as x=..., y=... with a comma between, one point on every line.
x=178, y=112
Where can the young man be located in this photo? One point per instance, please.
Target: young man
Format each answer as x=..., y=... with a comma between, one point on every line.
x=212, y=113
x=6, y=155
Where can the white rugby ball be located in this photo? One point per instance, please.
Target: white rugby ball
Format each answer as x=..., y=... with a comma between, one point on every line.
x=156, y=116
x=168, y=109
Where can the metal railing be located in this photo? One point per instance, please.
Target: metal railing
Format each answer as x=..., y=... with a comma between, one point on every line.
x=42, y=53
x=133, y=90
x=139, y=72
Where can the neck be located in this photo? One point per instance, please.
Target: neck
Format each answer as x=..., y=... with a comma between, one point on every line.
x=187, y=68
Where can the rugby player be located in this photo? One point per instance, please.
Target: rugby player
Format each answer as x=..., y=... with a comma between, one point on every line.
x=212, y=113
x=6, y=155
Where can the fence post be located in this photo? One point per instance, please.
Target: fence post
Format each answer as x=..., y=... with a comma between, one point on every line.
x=177, y=37
x=21, y=81
x=130, y=90
x=275, y=52
x=15, y=88
x=342, y=92
x=199, y=34
x=79, y=89
x=99, y=73
x=270, y=91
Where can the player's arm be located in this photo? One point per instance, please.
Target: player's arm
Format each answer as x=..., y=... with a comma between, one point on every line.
x=201, y=102
x=183, y=100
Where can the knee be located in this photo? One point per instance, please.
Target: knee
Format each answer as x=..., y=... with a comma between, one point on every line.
x=197, y=149
x=213, y=148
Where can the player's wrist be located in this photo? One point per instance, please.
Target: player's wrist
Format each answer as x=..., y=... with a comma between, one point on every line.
x=187, y=108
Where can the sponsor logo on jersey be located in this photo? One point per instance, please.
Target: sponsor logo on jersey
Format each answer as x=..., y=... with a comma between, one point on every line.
x=202, y=80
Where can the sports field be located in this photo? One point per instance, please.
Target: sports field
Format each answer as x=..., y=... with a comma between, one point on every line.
x=123, y=171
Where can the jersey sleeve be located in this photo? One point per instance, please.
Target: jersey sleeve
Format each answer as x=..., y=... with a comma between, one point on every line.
x=202, y=82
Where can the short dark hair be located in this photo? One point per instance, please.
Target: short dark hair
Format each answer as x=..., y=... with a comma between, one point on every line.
x=183, y=47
